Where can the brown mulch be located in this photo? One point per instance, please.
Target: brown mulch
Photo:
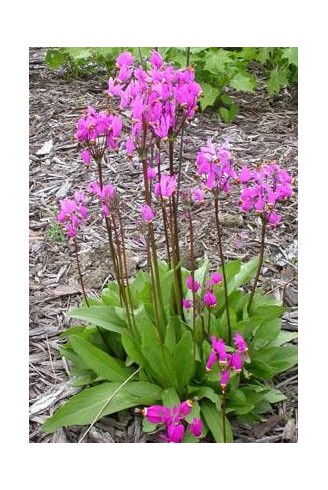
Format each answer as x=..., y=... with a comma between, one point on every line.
x=264, y=130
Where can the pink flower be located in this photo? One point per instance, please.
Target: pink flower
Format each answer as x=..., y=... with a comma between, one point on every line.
x=130, y=146
x=86, y=157
x=165, y=187
x=124, y=59
x=245, y=174
x=240, y=343
x=185, y=408
x=211, y=360
x=224, y=379
x=196, y=427
x=175, y=433
x=156, y=414
x=147, y=213
x=210, y=299
x=156, y=59
x=236, y=362
x=151, y=173
x=186, y=303
x=220, y=348
x=215, y=279
x=274, y=219
x=198, y=195
x=192, y=284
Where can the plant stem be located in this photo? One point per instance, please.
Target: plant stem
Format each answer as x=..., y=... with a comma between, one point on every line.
x=225, y=286
x=80, y=273
x=261, y=257
x=192, y=262
x=223, y=416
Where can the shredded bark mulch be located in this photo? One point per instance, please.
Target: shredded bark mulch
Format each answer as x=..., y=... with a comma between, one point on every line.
x=265, y=130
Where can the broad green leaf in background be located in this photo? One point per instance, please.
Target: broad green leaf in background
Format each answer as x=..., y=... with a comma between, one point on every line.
x=183, y=360
x=245, y=82
x=213, y=419
x=246, y=273
x=268, y=329
x=291, y=54
x=106, y=317
x=210, y=95
x=284, y=337
x=101, y=400
x=277, y=79
x=215, y=61
x=101, y=363
x=170, y=398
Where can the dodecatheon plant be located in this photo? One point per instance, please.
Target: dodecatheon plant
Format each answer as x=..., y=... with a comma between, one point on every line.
x=236, y=362
x=214, y=163
x=157, y=414
x=124, y=59
x=151, y=173
x=175, y=433
x=86, y=157
x=192, y=284
x=96, y=126
x=156, y=59
x=147, y=213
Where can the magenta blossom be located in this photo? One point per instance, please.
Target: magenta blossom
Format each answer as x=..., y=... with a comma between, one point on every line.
x=156, y=59
x=240, y=343
x=151, y=173
x=192, y=284
x=211, y=360
x=209, y=299
x=224, y=379
x=196, y=427
x=214, y=279
x=156, y=414
x=124, y=59
x=147, y=213
x=86, y=157
x=198, y=195
x=187, y=304
x=236, y=362
x=72, y=213
x=165, y=187
x=175, y=433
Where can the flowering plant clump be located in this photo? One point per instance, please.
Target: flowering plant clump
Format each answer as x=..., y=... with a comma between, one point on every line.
x=181, y=346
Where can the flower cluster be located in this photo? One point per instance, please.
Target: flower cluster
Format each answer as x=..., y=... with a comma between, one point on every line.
x=208, y=297
x=72, y=213
x=227, y=361
x=173, y=420
x=97, y=130
x=166, y=186
x=105, y=194
x=158, y=98
x=263, y=188
x=215, y=166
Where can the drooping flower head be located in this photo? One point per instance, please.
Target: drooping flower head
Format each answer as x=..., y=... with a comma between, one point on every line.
x=73, y=213
x=263, y=189
x=106, y=196
x=214, y=164
x=147, y=213
x=187, y=304
x=165, y=187
x=209, y=299
x=240, y=343
x=215, y=278
x=224, y=379
x=192, y=284
x=196, y=427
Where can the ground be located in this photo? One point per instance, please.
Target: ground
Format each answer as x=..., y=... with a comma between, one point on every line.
x=265, y=130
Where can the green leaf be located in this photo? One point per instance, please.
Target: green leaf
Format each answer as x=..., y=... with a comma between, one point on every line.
x=216, y=61
x=56, y=57
x=285, y=357
x=106, y=317
x=170, y=336
x=225, y=114
x=183, y=360
x=170, y=398
x=210, y=95
x=284, y=337
x=269, y=329
x=249, y=54
x=205, y=392
x=244, y=82
x=277, y=79
x=102, y=364
x=96, y=402
x=158, y=357
x=269, y=311
x=246, y=273
x=264, y=54
x=133, y=349
x=79, y=54
x=213, y=419
x=274, y=396
x=291, y=54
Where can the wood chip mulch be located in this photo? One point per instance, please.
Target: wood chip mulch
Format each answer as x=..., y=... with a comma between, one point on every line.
x=265, y=130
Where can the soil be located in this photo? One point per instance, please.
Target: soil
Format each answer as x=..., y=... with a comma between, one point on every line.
x=264, y=130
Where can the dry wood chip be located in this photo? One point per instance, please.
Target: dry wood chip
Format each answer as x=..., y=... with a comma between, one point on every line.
x=261, y=429
x=46, y=148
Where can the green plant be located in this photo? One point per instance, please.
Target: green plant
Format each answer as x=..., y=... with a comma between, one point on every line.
x=153, y=339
